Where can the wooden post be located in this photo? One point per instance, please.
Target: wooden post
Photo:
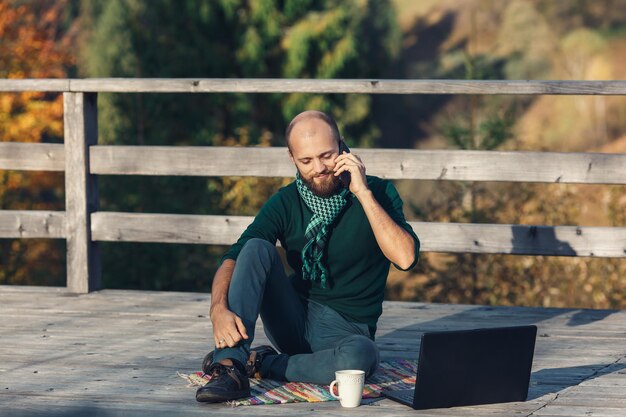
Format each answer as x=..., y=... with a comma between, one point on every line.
x=81, y=192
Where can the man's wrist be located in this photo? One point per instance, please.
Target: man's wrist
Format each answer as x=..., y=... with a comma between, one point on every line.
x=364, y=194
x=217, y=307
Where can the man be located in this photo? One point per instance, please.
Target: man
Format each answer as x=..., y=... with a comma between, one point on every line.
x=340, y=241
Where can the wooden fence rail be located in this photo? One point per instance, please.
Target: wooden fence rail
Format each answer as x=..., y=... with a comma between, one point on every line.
x=83, y=160
x=435, y=237
x=446, y=165
x=32, y=224
x=344, y=86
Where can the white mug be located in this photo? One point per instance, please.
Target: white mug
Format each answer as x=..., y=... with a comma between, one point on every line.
x=349, y=386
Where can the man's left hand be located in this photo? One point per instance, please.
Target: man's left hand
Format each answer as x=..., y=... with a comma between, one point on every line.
x=352, y=163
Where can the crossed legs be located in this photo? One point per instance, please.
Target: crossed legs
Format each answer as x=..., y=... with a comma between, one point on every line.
x=315, y=340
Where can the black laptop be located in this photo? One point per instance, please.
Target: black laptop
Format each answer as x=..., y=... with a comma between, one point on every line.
x=471, y=367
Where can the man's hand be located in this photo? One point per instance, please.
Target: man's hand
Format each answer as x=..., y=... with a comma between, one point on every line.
x=353, y=164
x=228, y=329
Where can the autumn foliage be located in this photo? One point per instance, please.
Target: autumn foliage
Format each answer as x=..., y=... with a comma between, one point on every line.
x=402, y=39
x=34, y=45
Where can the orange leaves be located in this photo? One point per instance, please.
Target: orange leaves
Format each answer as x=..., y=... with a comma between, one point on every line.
x=33, y=45
x=30, y=117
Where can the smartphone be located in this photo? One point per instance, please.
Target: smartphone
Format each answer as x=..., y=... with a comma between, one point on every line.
x=344, y=177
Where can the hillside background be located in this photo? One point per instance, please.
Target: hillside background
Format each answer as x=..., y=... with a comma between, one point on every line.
x=404, y=39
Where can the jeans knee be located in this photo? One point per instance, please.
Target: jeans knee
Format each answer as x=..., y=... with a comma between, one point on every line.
x=358, y=352
x=259, y=249
x=257, y=244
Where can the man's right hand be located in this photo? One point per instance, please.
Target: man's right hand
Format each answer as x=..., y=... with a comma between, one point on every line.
x=228, y=329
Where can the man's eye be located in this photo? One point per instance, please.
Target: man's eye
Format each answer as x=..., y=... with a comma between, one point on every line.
x=305, y=162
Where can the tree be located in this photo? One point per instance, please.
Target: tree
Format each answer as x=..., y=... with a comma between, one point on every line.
x=235, y=38
x=531, y=40
x=34, y=44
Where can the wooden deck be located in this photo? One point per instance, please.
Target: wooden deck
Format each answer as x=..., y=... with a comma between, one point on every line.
x=118, y=353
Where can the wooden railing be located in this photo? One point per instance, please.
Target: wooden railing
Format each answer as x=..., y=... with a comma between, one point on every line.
x=83, y=225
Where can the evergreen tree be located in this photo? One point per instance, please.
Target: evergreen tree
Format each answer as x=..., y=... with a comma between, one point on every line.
x=224, y=39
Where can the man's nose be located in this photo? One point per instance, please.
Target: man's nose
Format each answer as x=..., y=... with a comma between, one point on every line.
x=318, y=166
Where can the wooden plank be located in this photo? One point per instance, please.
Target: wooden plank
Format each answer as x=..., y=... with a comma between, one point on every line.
x=523, y=239
x=553, y=410
x=81, y=192
x=452, y=165
x=363, y=86
x=435, y=237
x=35, y=84
x=458, y=165
x=167, y=228
x=32, y=156
x=278, y=85
x=367, y=86
x=32, y=224
x=193, y=161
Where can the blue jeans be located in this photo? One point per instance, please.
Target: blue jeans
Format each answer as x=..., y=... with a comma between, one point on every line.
x=314, y=340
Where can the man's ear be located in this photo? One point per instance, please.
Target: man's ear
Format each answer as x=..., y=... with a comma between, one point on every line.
x=291, y=156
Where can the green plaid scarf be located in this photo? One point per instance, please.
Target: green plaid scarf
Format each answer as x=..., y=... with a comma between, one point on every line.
x=325, y=212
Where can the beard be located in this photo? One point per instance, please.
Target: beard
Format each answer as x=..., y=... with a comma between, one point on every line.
x=323, y=189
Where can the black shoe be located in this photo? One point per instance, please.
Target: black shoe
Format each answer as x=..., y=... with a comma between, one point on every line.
x=253, y=365
x=227, y=383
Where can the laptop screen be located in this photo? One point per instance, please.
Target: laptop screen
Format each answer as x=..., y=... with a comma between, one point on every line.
x=471, y=367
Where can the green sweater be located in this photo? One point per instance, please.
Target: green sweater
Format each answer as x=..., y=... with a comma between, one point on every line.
x=357, y=267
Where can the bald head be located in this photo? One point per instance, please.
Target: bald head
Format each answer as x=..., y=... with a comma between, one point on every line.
x=309, y=129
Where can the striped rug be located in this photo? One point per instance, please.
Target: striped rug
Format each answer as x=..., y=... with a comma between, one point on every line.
x=394, y=374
